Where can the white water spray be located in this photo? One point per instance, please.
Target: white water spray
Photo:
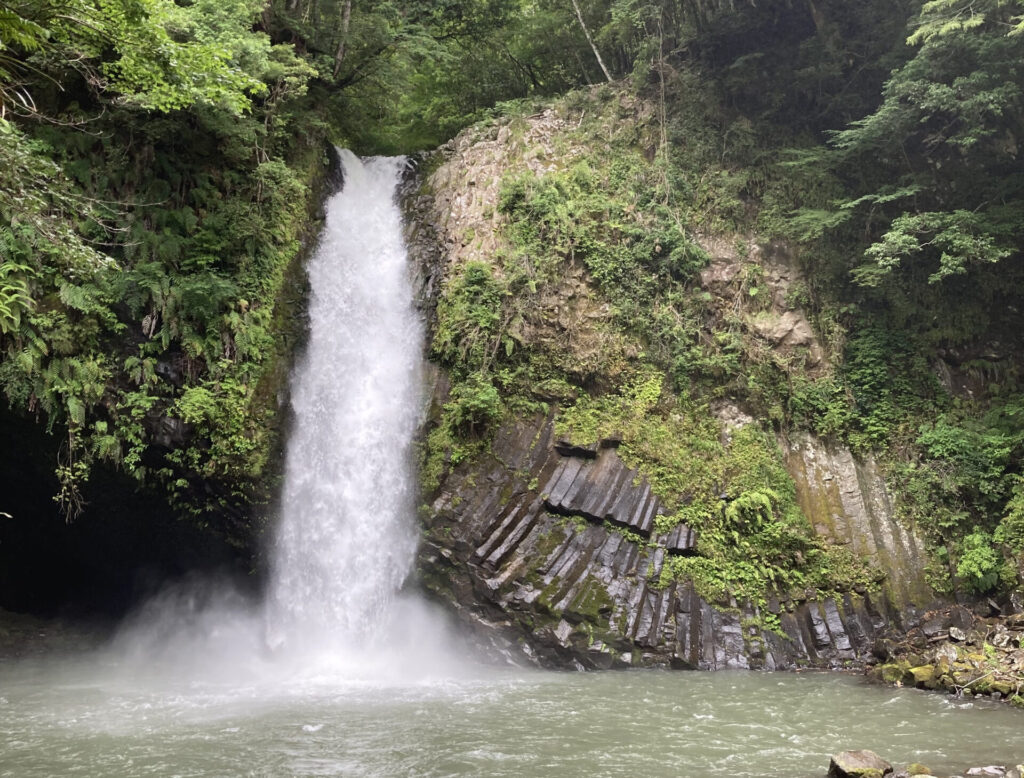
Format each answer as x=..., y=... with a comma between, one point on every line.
x=346, y=538
x=346, y=542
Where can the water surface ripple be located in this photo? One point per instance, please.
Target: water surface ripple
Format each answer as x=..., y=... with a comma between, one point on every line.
x=84, y=719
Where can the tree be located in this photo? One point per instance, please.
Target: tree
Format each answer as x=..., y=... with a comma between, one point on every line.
x=944, y=189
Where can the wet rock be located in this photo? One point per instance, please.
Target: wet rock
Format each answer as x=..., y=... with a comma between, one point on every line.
x=960, y=617
x=536, y=541
x=846, y=500
x=171, y=433
x=601, y=488
x=938, y=625
x=858, y=764
x=681, y=540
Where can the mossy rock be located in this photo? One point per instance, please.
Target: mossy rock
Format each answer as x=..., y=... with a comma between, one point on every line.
x=858, y=764
x=915, y=768
x=981, y=686
x=924, y=676
x=891, y=673
x=1005, y=688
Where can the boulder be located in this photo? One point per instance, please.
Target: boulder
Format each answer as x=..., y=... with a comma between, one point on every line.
x=858, y=764
x=946, y=652
x=924, y=676
x=1001, y=639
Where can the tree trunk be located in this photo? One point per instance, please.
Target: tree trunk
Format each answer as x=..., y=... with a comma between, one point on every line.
x=579, y=15
x=339, y=55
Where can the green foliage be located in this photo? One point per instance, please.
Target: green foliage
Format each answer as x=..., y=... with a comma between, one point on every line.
x=933, y=173
x=964, y=476
x=169, y=56
x=979, y=565
x=613, y=214
x=141, y=261
x=888, y=379
x=475, y=404
x=1010, y=531
x=961, y=238
x=823, y=405
x=469, y=319
x=738, y=497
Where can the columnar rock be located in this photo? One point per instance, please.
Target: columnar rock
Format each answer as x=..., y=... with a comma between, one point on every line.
x=550, y=547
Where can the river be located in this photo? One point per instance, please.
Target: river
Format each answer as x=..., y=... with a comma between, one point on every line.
x=91, y=717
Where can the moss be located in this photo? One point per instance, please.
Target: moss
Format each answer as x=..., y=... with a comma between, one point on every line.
x=753, y=537
x=591, y=604
x=545, y=546
x=892, y=673
x=924, y=676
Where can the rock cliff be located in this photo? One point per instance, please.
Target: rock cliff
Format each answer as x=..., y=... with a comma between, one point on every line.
x=558, y=548
x=548, y=551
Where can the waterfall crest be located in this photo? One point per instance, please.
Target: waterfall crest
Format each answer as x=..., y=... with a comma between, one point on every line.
x=345, y=541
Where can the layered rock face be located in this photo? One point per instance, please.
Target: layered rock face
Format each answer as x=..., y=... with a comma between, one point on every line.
x=846, y=500
x=548, y=550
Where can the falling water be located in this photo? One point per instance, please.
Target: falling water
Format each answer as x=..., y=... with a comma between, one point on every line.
x=345, y=541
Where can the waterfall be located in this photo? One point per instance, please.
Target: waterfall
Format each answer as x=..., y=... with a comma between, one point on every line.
x=346, y=539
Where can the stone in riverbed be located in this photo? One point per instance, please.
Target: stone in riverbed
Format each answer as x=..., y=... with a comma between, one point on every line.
x=924, y=676
x=1003, y=688
x=892, y=672
x=916, y=768
x=858, y=764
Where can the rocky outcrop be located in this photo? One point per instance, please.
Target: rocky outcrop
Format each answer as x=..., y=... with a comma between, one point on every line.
x=764, y=284
x=959, y=651
x=550, y=550
x=846, y=500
